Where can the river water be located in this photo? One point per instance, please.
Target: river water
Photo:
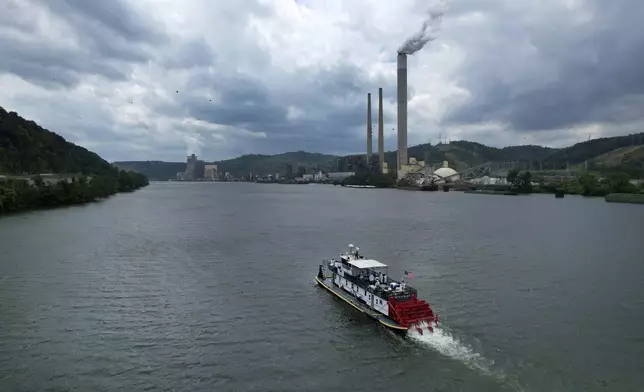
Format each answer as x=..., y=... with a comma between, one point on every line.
x=209, y=287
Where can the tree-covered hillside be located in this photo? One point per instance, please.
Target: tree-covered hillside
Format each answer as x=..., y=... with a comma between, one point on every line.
x=265, y=164
x=459, y=154
x=28, y=150
x=591, y=149
x=240, y=166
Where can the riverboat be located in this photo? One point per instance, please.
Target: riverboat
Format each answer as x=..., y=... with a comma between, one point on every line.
x=365, y=284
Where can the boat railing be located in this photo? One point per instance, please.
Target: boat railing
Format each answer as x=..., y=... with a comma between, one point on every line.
x=364, y=283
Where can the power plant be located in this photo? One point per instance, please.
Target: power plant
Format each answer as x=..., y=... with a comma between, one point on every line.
x=370, y=163
x=369, y=131
x=402, y=157
x=381, y=135
x=411, y=45
x=402, y=111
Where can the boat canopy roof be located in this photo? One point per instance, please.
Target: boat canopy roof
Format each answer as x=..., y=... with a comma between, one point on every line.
x=366, y=263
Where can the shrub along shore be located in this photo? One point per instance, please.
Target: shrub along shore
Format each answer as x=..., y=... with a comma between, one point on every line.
x=22, y=194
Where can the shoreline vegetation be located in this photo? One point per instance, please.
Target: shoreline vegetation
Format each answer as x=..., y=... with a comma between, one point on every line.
x=377, y=180
x=20, y=194
x=633, y=198
x=27, y=149
x=615, y=187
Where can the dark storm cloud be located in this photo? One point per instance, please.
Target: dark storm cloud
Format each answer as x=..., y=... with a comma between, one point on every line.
x=112, y=37
x=113, y=15
x=332, y=103
x=243, y=102
x=110, y=28
x=597, y=67
x=43, y=64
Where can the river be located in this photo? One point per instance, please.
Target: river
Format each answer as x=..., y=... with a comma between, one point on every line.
x=209, y=287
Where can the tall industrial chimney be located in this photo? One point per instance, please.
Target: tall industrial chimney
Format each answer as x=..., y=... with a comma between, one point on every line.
x=369, y=132
x=402, y=110
x=381, y=135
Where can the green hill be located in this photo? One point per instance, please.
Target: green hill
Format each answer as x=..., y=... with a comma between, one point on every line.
x=623, y=150
x=28, y=151
x=264, y=164
x=26, y=148
x=629, y=160
x=593, y=149
x=240, y=166
x=460, y=155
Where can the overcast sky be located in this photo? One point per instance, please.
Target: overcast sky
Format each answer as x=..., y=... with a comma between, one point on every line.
x=156, y=79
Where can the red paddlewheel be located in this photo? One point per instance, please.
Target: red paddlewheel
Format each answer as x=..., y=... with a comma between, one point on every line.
x=411, y=311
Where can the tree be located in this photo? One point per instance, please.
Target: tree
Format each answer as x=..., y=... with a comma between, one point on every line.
x=524, y=183
x=590, y=185
x=512, y=176
x=520, y=182
x=620, y=183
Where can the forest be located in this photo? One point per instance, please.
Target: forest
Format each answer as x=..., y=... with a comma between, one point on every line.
x=29, y=157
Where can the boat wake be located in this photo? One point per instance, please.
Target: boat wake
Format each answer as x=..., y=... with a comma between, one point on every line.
x=445, y=343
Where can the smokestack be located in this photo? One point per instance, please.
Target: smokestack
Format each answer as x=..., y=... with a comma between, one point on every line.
x=369, y=132
x=381, y=133
x=402, y=110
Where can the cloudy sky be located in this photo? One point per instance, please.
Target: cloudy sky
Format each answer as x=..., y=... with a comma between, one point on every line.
x=155, y=79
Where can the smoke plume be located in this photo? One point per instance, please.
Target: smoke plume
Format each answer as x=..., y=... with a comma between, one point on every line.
x=428, y=31
x=193, y=144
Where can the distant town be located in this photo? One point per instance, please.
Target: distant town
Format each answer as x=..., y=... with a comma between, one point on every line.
x=199, y=170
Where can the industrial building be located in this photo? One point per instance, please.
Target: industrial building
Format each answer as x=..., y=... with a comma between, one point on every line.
x=211, y=172
x=404, y=165
x=370, y=162
x=195, y=169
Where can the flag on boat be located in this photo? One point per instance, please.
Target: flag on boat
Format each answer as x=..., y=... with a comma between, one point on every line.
x=410, y=275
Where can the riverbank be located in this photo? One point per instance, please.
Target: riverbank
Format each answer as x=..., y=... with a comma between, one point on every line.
x=491, y=192
x=24, y=194
x=634, y=198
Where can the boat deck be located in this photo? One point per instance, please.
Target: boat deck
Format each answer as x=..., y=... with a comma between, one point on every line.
x=381, y=318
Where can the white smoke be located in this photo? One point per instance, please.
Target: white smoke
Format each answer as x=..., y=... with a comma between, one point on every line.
x=428, y=31
x=193, y=144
